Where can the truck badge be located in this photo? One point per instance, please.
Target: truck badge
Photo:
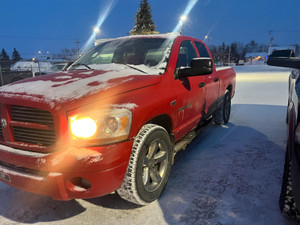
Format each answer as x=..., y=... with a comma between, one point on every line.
x=4, y=123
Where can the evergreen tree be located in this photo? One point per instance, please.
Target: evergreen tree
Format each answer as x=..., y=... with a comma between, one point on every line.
x=251, y=46
x=143, y=20
x=222, y=53
x=4, y=56
x=227, y=58
x=234, y=57
x=214, y=53
x=16, y=56
x=5, y=63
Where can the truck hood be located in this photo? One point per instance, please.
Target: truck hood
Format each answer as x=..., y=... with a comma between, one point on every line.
x=63, y=88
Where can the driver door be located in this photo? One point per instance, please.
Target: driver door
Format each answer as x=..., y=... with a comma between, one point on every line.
x=190, y=92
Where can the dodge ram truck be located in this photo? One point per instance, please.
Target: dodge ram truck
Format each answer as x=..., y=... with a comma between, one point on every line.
x=114, y=120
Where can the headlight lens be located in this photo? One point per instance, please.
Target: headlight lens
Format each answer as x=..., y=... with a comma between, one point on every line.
x=100, y=127
x=83, y=127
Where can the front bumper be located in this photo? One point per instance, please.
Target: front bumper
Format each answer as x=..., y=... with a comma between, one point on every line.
x=57, y=174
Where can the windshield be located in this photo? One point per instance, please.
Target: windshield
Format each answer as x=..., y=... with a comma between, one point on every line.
x=148, y=55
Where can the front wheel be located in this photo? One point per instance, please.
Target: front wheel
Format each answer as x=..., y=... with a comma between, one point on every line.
x=149, y=166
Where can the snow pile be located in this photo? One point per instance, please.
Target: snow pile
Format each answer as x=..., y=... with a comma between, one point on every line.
x=259, y=69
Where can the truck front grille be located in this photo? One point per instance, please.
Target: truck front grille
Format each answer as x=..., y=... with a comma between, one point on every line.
x=31, y=115
x=34, y=136
x=32, y=126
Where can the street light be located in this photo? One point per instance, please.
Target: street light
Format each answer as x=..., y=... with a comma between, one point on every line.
x=183, y=18
x=96, y=31
x=208, y=38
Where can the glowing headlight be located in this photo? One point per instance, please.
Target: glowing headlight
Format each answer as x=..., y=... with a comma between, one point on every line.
x=101, y=126
x=83, y=127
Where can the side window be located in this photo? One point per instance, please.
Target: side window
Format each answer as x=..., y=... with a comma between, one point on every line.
x=201, y=49
x=186, y=54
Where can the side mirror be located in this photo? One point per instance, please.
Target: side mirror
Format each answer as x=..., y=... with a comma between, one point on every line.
x=199, y=66
x=284, y=58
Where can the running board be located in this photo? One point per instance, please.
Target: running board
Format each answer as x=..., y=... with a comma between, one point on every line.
x=183, y=143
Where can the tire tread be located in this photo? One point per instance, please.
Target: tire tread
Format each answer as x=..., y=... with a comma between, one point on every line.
x=128, y=189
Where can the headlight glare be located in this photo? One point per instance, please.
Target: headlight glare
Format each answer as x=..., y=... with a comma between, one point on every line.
x=83, y=127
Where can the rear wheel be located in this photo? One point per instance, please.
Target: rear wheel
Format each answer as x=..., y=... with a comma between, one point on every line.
x=149, y=166
x=222, y=114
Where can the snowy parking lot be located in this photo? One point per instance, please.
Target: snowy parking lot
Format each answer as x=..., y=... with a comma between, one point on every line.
x=227, y=175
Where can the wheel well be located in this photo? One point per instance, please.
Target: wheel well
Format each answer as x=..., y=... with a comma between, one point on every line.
x=229, y=88
x=164, y=121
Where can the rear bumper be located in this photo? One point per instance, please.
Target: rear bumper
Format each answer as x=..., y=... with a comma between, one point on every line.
x=103, y=168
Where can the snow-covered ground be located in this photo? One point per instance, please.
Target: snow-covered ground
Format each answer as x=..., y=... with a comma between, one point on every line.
x=227, y=175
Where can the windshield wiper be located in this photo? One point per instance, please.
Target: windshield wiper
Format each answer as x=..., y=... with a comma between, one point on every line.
x=82, y=64
x=132, y=67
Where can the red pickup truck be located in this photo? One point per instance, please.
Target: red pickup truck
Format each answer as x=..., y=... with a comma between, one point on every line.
x=114, y=120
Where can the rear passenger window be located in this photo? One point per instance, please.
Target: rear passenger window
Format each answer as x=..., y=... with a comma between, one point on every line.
x=186, y=54
x=201, y=49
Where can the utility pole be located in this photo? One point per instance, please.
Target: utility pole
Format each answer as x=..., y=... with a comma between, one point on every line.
x=229, y=61
x=271, y=41
x=77, y=43
x=1, y=75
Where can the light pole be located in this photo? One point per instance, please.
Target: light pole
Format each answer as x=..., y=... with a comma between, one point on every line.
x=39, y=68
x=77, y=44
x=183, y=18
x=96, y=31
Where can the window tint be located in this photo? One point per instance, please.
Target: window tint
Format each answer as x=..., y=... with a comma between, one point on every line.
x=201, y=49
x=186, y=54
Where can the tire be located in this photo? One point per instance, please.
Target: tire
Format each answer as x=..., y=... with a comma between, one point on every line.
x=287, y=202
x=149, y=166
x=222, y=114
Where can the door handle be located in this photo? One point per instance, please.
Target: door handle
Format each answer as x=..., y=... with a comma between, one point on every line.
x=216, y=79
x=202, y=84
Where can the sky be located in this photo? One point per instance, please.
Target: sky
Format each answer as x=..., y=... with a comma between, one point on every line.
x=31, y=26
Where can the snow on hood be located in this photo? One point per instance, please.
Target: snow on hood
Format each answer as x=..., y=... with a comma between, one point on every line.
x=70, y=85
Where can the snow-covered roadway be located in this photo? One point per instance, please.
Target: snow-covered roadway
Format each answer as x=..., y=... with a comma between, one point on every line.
x=227, y=175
